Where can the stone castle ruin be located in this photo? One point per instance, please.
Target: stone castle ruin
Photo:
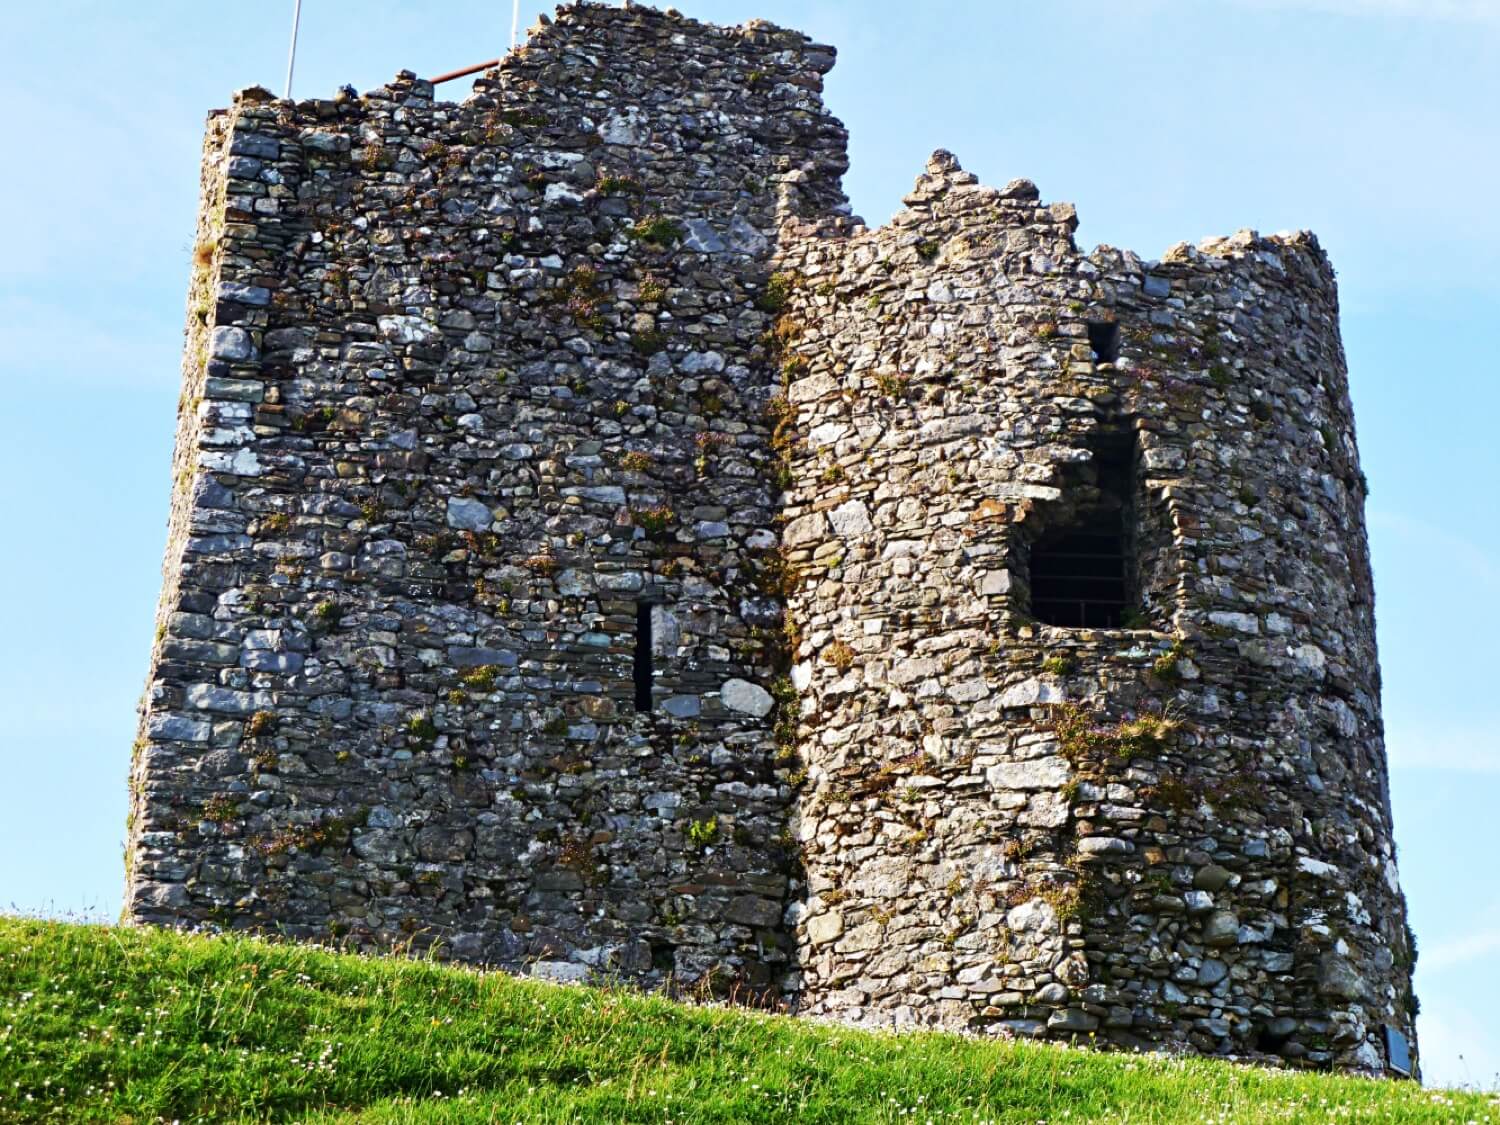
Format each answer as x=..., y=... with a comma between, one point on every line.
x=594, y=552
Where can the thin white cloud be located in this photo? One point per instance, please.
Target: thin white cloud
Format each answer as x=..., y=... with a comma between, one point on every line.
x=1460, y=552
x=1421, y=746
x=1460, y=951
x=45, y=341
x=1430, y=11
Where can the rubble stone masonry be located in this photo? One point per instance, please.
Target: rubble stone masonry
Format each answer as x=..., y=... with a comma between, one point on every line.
x=594, y=552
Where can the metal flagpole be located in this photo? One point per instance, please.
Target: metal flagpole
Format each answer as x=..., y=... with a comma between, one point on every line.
x=515, y=21
x=291, y=59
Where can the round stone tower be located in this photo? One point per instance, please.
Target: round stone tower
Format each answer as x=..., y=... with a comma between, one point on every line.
x=1084, y=640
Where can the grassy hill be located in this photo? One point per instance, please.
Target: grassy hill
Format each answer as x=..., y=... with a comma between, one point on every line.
x=109, y=1024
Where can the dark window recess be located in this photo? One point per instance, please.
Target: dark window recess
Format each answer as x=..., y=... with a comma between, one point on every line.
x=643, y=657
x=1397, y=1052
x=1082, y=571
x=1078, y=575
x=1104, y=338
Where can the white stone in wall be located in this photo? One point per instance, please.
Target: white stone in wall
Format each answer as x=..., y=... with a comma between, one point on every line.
x=1033, y=915
x=469, y=514
x=1316, y=867
x=562, y=193
x=968, y=691
x=1045, y=810
x=824, y=928
x=805, y=529
x=697, y=363
x=232, y=344
x=995, y=582
x=407, y=329
x=1310, y=659
x=825, y=434
x=1039, y=773
x=242, y=463
x=745, y=697
x=1030, y=693
x=1241, y=622
x=904, y=548
x=851, y=519
x=625, y=127
x=573, y=583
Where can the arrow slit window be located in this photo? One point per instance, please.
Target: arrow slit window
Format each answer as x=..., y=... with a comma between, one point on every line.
x=643, y=663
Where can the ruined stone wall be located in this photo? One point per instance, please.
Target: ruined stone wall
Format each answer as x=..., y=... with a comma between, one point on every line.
x=1175, y=832
x=484, y=400
x=475, y=383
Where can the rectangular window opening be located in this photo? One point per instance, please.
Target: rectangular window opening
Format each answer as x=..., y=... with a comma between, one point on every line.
x=1082, y=570
x=1104, y=338
x=643, y=669
x=1397, y=1052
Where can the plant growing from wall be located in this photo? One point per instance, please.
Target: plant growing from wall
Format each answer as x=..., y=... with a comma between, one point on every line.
x=1060, y=664
x=583, y=294
x=774, y=573
x=1166, y=666
x=707, y=444
x=648, y=341
x=481, y=678
x=1173, y=793
x=651, y=289
x=777, y=293
x=840, y=655
x=328, y=614
x=656, y=521
x=703, y=833
x=326, y=829
x=220, y=809
x=1083, y=739
x=421, y=731
x=658, y=232
x=607, y=183
x=260, y=723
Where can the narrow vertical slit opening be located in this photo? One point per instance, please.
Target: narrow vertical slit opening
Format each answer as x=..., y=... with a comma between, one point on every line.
x=643, y=645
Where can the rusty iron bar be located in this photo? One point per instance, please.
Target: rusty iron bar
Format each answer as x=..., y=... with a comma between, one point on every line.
x=452, y=74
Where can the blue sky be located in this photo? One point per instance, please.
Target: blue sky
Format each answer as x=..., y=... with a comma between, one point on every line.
x=1372, y=122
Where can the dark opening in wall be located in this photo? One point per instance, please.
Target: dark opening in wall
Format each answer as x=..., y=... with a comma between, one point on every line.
x=1082, y=571
x=643, y=668
x=1104, y=338
x=1397, y=1052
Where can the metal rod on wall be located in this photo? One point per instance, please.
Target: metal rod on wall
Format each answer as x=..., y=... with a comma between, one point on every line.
x=452, y=74
x=291, y=59
x=515, y=22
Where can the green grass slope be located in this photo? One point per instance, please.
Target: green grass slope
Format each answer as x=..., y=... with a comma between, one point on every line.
x=106, y=1024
